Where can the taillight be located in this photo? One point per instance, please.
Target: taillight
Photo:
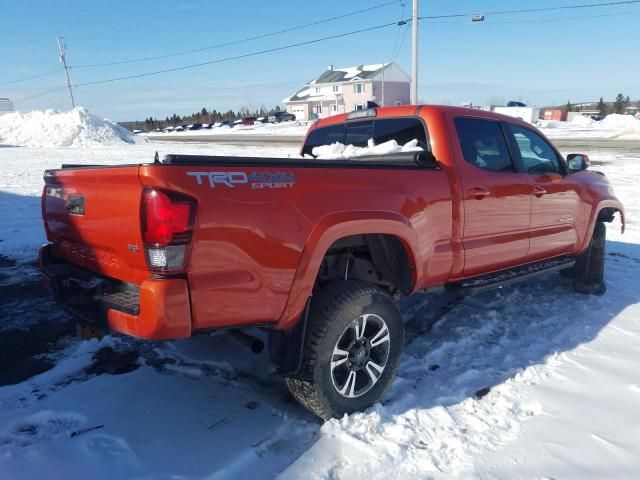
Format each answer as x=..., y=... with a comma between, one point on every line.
x=167, y=220
x=43, y=209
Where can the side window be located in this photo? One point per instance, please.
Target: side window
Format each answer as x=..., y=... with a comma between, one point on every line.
x=402, y=130
x=537, y=155
x=359, y=133
x=323, y=136
x=483, y=144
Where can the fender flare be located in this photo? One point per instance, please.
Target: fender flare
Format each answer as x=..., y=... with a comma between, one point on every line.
x=331, y=228
x=610, y=202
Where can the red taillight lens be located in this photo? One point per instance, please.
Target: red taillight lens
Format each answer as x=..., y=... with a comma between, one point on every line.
x=167, y=219
x=167, y=228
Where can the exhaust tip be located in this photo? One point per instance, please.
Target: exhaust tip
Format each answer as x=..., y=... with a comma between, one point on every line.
x=254, y=344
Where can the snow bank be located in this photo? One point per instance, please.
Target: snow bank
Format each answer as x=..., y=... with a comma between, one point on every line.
x=53, y=128
x=583, y=121
x=614, y=126
x=339, y=151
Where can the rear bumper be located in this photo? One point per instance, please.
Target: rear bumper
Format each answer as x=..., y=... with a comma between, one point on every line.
x=155, y=310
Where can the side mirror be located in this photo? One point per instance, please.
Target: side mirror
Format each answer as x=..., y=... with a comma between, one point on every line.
x=577, y=162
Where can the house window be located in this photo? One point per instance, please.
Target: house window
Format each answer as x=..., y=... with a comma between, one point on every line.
x=336, y=89
x=358, y=88
x=358, y=106
x=318, y=109
x=317, y=90
x=334, y=107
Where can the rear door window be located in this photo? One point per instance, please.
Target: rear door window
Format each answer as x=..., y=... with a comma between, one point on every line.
x=483, y=144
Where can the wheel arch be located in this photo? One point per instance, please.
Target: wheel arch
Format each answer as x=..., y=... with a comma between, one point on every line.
x=603, y=211
x=327, y=232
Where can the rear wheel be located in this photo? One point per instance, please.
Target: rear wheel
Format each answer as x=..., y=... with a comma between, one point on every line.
x=353, y=347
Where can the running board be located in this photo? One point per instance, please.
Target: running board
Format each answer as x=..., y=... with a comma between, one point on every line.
x=507, y=277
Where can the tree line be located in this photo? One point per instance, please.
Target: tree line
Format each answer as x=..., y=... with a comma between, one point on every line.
x=203, y=116
x=619, y=105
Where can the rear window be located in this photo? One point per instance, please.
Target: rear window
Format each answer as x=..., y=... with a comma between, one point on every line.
x=483, y=144
x=402, y=130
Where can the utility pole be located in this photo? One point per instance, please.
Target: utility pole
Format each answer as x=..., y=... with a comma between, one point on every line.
x=63, y=61
x=414, y=61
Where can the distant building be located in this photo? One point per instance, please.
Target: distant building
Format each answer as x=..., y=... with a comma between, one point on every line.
x=558, y=114
x=6, y=105
x=341, y=90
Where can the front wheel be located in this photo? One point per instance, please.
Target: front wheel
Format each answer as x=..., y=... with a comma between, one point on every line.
x=588, y=273
x=352, y=349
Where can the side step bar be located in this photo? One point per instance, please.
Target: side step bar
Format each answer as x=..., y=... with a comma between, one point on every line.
x=507, y=277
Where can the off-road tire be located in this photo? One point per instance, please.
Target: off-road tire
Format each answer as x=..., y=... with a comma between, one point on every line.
x=588, y=272
x=332, y=311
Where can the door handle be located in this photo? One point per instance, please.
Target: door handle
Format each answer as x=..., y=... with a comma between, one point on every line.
x=538, y=190
x=479, y=193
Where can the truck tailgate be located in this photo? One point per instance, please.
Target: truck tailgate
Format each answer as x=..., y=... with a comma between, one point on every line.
x=92, y=217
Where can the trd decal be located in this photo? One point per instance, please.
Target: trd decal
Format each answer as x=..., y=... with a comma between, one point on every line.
x=257, y=180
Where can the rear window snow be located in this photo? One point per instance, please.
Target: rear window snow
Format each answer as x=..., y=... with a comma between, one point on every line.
x=340, y=151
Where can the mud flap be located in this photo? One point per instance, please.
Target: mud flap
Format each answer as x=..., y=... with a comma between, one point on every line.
x=589, y=268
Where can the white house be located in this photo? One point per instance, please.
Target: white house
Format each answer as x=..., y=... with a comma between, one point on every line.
x=341, y=90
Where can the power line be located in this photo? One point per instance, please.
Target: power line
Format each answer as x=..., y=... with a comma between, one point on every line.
x=236, y=42
x=564, y=19
x=395, y=45
x=237, y=57
x=404, y=37
x=30, y=78
x=341, y=35
x=47, y=92
x=532, y=10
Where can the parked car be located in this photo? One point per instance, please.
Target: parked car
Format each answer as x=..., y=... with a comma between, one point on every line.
x=194, y=126
x=327, y=246
x=248, y=121
x=277, y=117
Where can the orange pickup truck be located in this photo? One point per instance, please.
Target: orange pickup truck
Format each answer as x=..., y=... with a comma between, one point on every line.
x=316, y=250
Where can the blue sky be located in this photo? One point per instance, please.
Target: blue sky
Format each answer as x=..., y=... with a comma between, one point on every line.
x=542, y=58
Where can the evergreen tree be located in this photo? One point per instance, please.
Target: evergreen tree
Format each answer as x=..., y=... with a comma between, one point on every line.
x=602, y=107
x=620, y=104
x=569, y=107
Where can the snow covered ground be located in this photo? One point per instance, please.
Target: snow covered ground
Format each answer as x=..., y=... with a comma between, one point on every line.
x=621, y=127
x=531, y=381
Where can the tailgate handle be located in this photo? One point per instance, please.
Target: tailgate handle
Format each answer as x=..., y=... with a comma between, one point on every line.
x=75, y=204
